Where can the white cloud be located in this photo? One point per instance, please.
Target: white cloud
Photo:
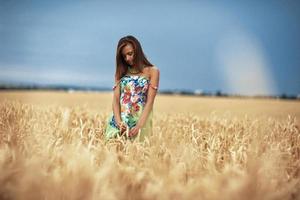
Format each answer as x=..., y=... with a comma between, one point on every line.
x=244, y=65
x=57, y=75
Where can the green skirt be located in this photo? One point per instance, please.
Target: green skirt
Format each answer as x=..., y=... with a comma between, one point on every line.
x=112, y=131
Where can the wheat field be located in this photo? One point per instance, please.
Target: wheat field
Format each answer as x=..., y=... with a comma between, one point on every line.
x=52, y=147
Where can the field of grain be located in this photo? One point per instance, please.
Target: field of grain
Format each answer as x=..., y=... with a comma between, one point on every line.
x=52, y=147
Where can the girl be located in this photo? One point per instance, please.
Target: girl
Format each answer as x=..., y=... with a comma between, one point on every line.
x=136, y=85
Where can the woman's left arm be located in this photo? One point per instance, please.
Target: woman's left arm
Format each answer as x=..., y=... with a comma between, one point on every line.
x=154, y=82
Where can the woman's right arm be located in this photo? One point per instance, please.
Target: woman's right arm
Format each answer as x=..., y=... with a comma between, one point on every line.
x=116, y=103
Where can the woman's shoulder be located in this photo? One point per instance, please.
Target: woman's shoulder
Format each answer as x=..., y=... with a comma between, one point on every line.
x=151, y=70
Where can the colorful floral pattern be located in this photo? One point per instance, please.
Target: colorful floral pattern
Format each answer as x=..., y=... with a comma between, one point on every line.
x=133, y=98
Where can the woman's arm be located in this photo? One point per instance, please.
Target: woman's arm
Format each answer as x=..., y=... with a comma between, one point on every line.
x=152, y=91
x=116, y=103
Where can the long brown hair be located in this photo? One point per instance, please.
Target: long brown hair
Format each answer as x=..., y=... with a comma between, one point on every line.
x=140, y=59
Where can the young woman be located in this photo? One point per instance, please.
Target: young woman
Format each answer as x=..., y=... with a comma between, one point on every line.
x=136, y=85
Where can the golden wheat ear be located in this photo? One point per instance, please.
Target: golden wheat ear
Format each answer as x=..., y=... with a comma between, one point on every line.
x=127, y=131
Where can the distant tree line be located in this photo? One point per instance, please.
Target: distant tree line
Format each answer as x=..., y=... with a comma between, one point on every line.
x=69, y=88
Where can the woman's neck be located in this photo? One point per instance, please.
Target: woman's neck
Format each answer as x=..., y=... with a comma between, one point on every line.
x=133, y=66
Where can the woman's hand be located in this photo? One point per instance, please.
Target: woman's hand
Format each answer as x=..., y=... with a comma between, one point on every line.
x=122, y=127
x=134, y=131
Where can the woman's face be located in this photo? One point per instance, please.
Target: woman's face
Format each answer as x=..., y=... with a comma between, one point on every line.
x=128, y=54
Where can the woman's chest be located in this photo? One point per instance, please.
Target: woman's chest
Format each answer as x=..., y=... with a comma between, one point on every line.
x=134, y=84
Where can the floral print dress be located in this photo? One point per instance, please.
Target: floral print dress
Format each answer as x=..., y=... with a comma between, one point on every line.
x=133, y=97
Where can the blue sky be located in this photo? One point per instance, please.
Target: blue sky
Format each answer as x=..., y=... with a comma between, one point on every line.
x=238, y=47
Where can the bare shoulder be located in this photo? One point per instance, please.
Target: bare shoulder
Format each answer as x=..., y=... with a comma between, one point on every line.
x=154, y=71
x=151, y=71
